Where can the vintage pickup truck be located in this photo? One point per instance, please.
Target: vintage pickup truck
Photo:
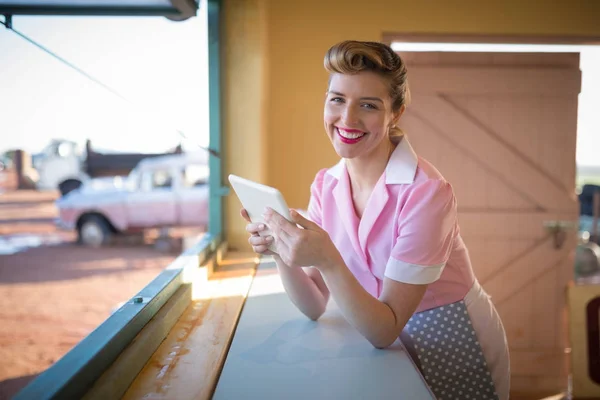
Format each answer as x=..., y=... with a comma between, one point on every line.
x=65, y=165
x=163, y=191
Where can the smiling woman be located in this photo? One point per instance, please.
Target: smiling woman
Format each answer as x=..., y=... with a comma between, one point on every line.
x=383, y=237
x=351, y=117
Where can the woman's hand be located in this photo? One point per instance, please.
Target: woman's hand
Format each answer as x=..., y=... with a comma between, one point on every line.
x=299, y=247
x=259, y=244
x=306, y=289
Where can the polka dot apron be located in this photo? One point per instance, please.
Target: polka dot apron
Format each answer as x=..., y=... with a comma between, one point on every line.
x=443, y=344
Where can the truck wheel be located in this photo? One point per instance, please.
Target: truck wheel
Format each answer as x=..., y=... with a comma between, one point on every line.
x=94, y=231
x=68, y=186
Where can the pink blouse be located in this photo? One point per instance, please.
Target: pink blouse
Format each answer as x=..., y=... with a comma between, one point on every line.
x=408, y=232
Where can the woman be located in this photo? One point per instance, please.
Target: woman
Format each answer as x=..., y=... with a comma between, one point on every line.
x=383, y=237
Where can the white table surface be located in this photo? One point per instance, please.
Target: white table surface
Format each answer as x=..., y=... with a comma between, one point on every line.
x=278, y=353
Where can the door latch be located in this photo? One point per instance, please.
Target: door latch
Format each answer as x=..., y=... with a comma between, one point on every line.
x=558, y=230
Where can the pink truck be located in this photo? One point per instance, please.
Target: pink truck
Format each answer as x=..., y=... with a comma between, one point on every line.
x=164, y=191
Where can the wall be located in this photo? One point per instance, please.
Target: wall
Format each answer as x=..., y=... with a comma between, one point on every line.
x=275, y=82
x=245, y=61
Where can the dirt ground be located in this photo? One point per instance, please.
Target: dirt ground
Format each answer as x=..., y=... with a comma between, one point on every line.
x=53, y=292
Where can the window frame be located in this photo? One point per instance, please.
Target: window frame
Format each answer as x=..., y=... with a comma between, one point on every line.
x=75, y=373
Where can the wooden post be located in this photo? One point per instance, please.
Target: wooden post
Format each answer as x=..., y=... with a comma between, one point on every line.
x=584, y=301
x=595, y=212
x=22, y=165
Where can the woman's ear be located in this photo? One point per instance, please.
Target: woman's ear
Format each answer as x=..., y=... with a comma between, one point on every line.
x=396, y=116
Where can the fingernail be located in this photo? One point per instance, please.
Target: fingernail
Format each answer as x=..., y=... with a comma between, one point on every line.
x=261, y=226
x=269, y=239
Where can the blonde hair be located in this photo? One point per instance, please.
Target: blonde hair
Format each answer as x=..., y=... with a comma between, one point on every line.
x=351, y=57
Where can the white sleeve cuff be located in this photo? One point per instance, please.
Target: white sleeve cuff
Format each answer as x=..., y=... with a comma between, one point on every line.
x=412, y=273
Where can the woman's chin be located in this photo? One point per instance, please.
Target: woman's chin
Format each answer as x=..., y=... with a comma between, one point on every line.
x=347, y=151
x=344, y=152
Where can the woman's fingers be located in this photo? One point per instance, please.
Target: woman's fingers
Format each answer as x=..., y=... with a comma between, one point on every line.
x=245, y=215
x=260, y=244
x=260, y=249
x=260, y=240
x=254, y=229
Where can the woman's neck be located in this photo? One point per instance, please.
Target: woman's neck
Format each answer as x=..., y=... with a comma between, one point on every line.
x=365, y=171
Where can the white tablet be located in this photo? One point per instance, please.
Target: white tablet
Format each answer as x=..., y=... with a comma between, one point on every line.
x=255, y=197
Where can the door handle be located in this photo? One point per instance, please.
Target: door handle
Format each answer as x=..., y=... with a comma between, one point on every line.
x=558, y=230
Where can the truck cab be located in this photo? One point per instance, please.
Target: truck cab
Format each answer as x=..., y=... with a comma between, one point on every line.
x=59, y=166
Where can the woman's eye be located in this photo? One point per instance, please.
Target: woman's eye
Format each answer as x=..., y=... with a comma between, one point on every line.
x=370, y=106
x=337, y=100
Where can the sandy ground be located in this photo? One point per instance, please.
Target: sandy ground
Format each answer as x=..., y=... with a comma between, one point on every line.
x=55, y=293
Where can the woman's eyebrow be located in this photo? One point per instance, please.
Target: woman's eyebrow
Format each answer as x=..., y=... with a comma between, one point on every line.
x=362, y=98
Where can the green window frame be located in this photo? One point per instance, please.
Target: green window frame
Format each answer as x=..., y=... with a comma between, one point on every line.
x=74, y=374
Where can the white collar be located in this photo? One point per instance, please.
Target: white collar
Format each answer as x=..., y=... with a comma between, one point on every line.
x=401, y=168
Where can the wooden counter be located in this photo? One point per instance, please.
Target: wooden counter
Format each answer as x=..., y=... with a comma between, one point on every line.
x=241, y=337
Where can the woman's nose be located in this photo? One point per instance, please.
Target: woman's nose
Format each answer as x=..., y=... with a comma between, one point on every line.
x=350, y=116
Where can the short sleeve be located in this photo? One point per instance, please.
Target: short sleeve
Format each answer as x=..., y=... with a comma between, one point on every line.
x=314, y=204
x=427, y=226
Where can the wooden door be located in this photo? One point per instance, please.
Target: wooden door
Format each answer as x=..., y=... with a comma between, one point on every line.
x=501, y=127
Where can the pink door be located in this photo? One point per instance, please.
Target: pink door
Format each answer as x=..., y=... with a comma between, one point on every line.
x=502, y=128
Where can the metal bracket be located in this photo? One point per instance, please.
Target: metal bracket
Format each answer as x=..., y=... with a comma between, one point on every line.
x=8, y=21
x=223, y=191
x=558, y=230
x=139, y=300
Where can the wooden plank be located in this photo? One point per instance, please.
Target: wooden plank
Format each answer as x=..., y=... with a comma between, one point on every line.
x=481, y=143
x=466, y=80
x=516, y=314
x=509, y=224
x=116, y=379
x=545, y=321
x=525, y=270
x=488, y=254
x=538, y=387
x=189, y=361
x=538, y=362
x=418, y=37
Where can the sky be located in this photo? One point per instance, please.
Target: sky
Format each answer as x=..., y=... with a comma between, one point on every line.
x=161, y=67
x=158, y=65
x=588, y=121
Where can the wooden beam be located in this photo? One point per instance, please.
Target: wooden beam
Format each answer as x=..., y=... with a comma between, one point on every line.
x=467, y=79
x=188, y=363
x=522, y=272
x=116, y=379
x=527, y=362
x=582, y=328
x=511, y=225
x=418, y=37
